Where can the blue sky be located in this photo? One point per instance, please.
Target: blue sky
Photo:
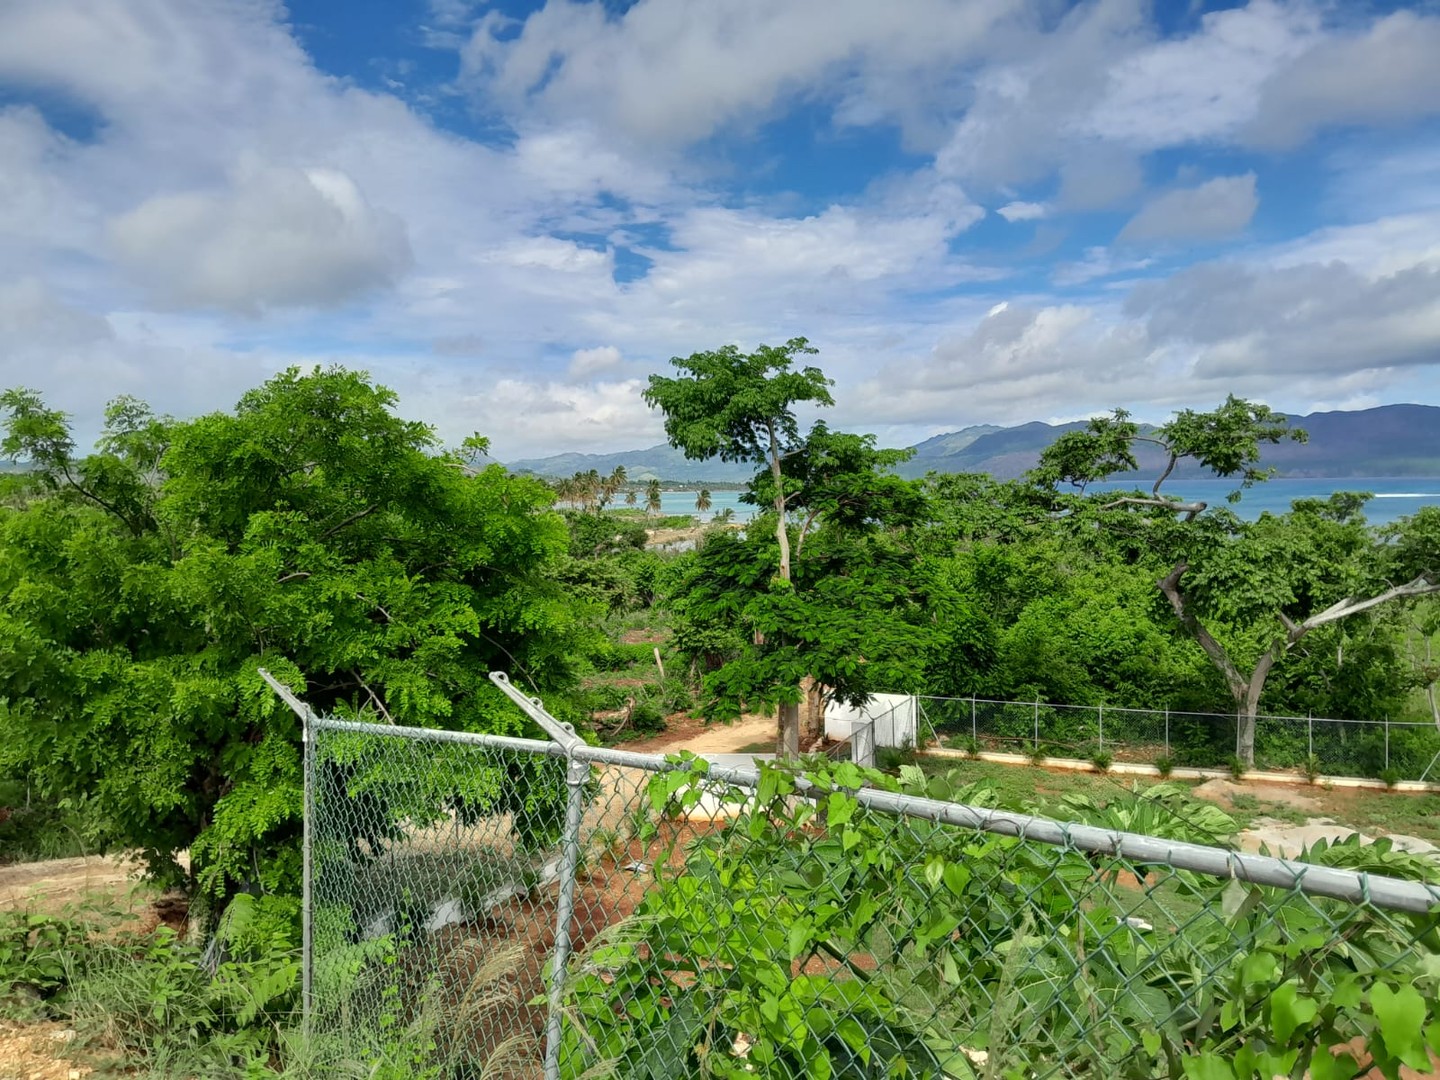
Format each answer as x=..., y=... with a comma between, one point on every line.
x=981, y=211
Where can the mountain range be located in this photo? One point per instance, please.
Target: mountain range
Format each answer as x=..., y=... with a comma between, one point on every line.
x=1390, y=440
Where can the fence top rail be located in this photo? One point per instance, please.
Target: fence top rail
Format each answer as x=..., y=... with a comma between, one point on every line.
x=418, y=734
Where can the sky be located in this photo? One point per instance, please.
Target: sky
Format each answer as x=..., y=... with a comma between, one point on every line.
x=511, y=213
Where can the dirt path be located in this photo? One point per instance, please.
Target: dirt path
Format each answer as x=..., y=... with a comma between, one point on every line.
x=61, y=883
x=701, y=738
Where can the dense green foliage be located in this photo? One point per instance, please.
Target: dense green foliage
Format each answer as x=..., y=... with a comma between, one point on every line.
x=311, y=531
x=815, y=937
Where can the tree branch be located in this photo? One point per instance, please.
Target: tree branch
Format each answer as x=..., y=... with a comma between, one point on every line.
x=1190, y=510
x=348, y=521
x=376, y=699
x=1424, y=585
x=1169, y=468
x=296, y=576
x=804, y=530
x=1170, y=586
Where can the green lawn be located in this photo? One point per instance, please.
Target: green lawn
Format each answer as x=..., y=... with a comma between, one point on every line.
x=1371, y=812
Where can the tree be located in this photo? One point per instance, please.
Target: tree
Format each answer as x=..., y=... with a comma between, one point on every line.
x=652, y=497
x=702, y=500
x=610, y=486
x=311, y=531
x=1270, y=583
x=740, y=407
x=854, y=616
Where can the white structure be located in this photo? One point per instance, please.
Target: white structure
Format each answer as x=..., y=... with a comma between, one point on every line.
x=892, y=718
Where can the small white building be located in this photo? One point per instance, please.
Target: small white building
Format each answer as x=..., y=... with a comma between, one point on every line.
x=891, y=717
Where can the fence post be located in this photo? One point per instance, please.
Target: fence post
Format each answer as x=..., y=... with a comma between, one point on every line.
x=307, y=772
x=974, y=732
x=1037, y=725
x=1167, y=731
x=1387, y=740
x=576, y=773
x=1102, y=728
x=307, y=875
x=1310, y=724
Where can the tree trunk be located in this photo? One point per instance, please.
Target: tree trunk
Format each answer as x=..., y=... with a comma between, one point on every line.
x=813, y=729
x=1250, y=707
x=787, y=731
x=787, y=738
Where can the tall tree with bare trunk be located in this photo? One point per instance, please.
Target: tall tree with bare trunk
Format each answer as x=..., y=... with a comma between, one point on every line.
x=741, y=407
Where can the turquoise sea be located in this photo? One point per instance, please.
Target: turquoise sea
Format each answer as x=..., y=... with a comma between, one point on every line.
x=1394, y=497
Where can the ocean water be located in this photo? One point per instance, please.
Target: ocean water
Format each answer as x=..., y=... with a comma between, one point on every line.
x=1394, y=498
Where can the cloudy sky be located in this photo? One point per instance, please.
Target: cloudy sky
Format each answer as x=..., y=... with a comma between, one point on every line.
x=981, y=211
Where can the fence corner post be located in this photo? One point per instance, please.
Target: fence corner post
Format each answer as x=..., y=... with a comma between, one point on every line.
x=576, y=773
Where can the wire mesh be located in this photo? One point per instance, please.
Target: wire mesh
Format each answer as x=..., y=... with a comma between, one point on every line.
x=823, y=922
x=1360, y=748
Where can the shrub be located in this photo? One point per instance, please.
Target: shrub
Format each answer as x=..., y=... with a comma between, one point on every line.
x=1237, y=767
x=1311, y=768
x=1164, y=765
x=1102, y=760
x=1037, y=755
x=1391, y=776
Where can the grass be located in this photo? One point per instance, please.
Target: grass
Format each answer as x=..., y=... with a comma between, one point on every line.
x=1371, y=812
x=1016, y=783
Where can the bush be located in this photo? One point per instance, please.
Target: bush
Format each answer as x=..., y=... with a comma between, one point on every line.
x=647, y=716
x=1311, y=768
x=1164, y=765
x=1102, y=760
x=1391, y=776
x=1237, y=767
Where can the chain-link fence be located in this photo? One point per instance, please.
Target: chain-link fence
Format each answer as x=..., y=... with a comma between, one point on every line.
x=480, y=906
x=1361, y=748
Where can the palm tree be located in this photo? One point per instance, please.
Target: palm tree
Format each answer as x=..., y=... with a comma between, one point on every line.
x=610, y=485
x=630, y=496
x=702, y=500
x=652, y=497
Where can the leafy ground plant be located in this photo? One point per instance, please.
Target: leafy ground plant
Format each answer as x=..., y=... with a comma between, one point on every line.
x=812, y=936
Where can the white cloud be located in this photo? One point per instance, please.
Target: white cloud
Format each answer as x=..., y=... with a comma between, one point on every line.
x=33, y=320
x=1217, y=208
x=670, y=71
x=1023, y=211
x=1204, y=85
x=1098, y=262
x=276, y=238
x=1309, y=318
x=586, y=363
x=1384, y=74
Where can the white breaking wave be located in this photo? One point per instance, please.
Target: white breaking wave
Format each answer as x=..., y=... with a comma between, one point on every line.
x=1408, y=495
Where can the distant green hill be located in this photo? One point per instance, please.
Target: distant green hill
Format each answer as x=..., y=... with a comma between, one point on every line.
x=1391, y=440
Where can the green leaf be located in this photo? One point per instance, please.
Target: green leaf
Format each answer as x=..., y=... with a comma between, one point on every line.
x=1289, y=1011
x=1327, y=1066
x=1207, y=1066
x=1401, y=1014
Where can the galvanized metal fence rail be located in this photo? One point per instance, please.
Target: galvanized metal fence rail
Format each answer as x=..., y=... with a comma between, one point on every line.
x=1362, y=748
x=485, y=906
